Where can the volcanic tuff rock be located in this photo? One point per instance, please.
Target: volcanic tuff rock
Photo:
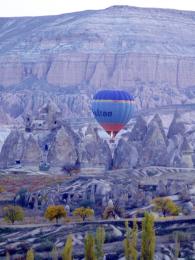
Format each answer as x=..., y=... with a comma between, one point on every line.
x=20, y=146
x=139, y=130
x=180, y=151
x=154, y=150
x=177, y=125
x=146, y=145
x=149, y=145
x=57, y=148
x=94, y=151
x=63, y=149
x=125, y=155
x=68, y=57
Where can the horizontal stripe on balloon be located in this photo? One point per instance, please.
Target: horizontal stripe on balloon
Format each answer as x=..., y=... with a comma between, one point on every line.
x=112, y=127
x=113, y=95
x=114, y=101
x=109, y=127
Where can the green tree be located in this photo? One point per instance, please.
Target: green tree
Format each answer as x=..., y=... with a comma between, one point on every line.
x=90, y=247
x=99, y=242
x=83, y=212
x=55, y=212
x=148, y=238
x=127, y=241
x=30, y=254
x=130, y=242
x=166, y=206
x=133, y=246
x=13, y=213
x=54, y=253
x=67, y=252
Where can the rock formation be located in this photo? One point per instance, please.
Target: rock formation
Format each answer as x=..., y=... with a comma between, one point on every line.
x=154, y=150
x=179, y=147
x=125, y=155
x=63, y=149
x=139, y=130
x=19, y=147
x=94, y=151
x=177, y=125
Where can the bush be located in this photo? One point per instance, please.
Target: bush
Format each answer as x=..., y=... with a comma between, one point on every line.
x=166, y=206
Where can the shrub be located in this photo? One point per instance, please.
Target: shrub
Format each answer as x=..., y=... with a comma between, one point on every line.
x=166, y=206
x=83, y=212
x=13, y=213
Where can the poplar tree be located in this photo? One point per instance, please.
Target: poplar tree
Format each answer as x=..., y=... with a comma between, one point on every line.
x=127, y=241
x=67, y=251
x=148, y=237
x=54, y=253
x=30, y=254
x=90, y=247
x=130, y=242
x=99, y=242
x=177, y=245
x=133, y=246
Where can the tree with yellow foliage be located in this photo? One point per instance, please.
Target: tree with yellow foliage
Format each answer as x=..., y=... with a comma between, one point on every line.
x=83, y=212
x=67, y=251
x=99, y=242
x=55, y=212
x=90, y=247
x=130, y=242
x=2, y=189
x=148, y=237
x=13, y=213
x=166, y=206
x=30, y=254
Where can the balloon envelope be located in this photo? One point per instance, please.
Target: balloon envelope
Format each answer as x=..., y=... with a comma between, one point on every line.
x=112, y=109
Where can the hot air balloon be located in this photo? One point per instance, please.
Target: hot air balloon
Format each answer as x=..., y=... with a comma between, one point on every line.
x=112, y=109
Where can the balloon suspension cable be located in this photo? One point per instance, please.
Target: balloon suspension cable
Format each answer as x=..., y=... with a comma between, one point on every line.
x=112, y=137
x=112, y=143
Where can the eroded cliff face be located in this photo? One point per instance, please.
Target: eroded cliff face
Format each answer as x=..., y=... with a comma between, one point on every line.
x=156, y=80
x=67, y=58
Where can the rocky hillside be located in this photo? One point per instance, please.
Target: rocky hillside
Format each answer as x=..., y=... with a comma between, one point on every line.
x=66, y=58
x=47, y=139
